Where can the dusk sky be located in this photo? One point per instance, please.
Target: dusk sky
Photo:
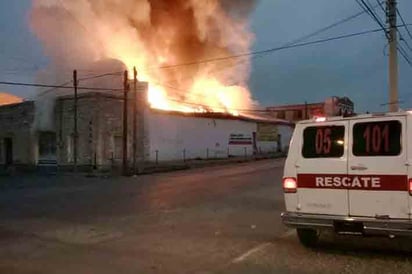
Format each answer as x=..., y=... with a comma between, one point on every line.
x=354, y=67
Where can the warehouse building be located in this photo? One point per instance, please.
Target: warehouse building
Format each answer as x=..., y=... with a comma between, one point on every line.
x=177, y=135
x=152, y=135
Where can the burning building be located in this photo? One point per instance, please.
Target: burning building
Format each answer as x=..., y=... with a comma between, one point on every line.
x=191, y=54
x=160, y=135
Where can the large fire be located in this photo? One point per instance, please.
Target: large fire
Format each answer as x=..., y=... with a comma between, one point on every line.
x=8, y=99
x=166, y=40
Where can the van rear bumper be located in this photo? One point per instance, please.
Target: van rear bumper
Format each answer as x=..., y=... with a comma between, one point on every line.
x=371, y=226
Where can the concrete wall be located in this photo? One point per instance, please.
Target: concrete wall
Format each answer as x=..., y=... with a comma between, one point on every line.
x=100, y=129
x=174, y=137
x=16, y=123
x=99, y=124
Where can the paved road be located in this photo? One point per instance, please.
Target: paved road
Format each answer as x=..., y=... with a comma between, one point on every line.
x=210, y=220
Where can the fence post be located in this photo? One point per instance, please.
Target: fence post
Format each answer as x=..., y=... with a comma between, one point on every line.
x=184, y=155
x=245, y=152
x=207, y=154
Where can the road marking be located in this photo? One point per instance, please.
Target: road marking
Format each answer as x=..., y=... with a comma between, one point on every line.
x=245, y=255
x=260, y=247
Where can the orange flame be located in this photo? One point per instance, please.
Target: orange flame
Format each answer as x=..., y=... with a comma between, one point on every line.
x=8, y=99
x=151, y=34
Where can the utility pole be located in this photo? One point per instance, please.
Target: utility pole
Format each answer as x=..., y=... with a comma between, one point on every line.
x=75, y=133
x=134, y=118
x=125, y=102
x=393, y=56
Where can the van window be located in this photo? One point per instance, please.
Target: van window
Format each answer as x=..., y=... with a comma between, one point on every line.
x=323, y=142
x=377, y=138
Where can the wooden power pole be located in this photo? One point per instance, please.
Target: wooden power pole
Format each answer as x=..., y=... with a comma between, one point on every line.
x=75, y=130
x=125, y=130
x=393, y=56
x=134, y=119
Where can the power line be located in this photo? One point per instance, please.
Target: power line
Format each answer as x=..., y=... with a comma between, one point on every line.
x=405, y=42
x=82, y=79
x=404, y=55
x=271, y=49
x=204, y=61
x=400, y=34
x=366, y=8
x=319, y=31
x=372, y=13
x=382, y=8
x=52, y=89
x=403, y=22
x=399, y=48
x=257, y=53
x=344, y=20
x=374, y=16
x=55, y=86
x=118, y=73
x=307, y=36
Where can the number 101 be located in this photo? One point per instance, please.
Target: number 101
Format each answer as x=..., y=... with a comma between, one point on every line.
x=376, y=138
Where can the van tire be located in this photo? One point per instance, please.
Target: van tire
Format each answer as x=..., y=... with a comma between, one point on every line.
x=308, y=237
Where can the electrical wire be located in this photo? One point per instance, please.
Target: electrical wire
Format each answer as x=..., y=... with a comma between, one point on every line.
x=404, y=55
x=377, y=20
x=113, y=73
x=373, y=15
x=271, y=49
x=81, y=79
x=380, y=4
x=403, y=22
x=52, y=89
x=55, y=86
x=118, y=73
x=228, y=57
x=342, y=21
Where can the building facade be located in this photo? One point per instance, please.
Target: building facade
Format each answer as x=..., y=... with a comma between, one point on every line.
x=16, y=135
x=152, y=135
x=333, y=106
x=177, y=135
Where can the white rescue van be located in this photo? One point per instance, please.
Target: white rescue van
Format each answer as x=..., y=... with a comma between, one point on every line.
x=351, y=175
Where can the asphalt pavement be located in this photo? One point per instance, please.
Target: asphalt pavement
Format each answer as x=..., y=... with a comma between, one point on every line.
x=210, y=220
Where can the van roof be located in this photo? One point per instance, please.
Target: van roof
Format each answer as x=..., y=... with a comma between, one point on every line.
x=355, y=117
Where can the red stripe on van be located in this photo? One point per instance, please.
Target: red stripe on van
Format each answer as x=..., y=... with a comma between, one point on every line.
x=353, y=182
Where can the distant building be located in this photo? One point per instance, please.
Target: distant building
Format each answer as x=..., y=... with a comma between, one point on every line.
x=160, y=135
x=333, y=106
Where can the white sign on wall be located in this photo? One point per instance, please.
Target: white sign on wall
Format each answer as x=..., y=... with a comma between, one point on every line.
x=240, y=139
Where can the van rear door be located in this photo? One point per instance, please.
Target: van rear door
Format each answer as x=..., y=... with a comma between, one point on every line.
x=378, y=168
x=320, y=168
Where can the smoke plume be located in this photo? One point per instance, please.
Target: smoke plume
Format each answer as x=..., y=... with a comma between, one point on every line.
x=154, y=36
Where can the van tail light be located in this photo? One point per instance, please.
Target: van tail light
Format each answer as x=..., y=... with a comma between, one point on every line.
x=410, y=186
x=290, y=185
